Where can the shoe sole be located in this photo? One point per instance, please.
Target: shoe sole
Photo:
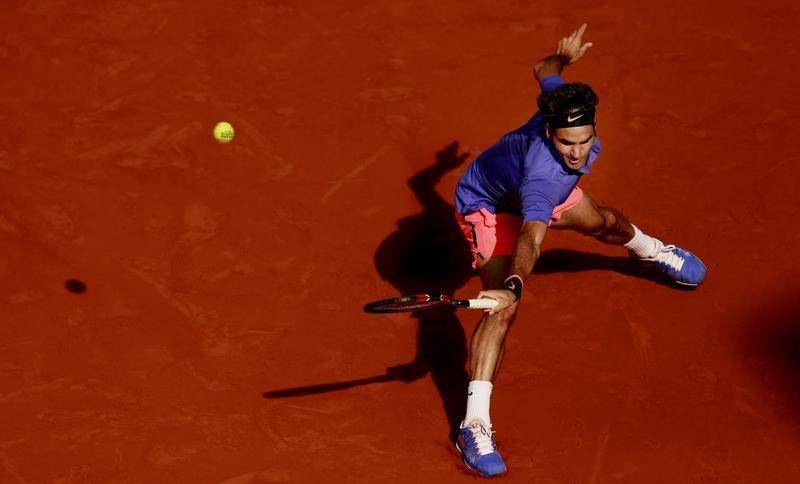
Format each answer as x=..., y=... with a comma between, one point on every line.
x=464, y=460
x=667, y=278
x=655, y=266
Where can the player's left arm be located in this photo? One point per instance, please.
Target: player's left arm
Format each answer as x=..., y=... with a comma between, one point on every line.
x=568, y=51
x=528, y=249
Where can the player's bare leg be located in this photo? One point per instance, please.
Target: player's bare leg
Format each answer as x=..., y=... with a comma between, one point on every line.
x=486, y=353
x=488, y=340
x=609, y=225
x=603, y=223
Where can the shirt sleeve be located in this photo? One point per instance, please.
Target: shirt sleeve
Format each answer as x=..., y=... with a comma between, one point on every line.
x=551, y=83
x=538, y=198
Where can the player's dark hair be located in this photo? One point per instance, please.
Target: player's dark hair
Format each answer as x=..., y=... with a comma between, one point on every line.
x=567, y=98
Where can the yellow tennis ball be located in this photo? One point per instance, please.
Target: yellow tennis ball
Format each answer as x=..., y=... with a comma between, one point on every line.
x=223, y=132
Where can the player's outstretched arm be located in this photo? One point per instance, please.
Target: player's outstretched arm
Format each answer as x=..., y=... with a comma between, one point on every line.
x=525, y=256
x=568, y=51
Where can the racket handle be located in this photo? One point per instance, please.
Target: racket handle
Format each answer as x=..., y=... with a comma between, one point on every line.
x=482, y=303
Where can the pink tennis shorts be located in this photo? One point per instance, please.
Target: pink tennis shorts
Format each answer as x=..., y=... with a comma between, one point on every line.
x=491, y=234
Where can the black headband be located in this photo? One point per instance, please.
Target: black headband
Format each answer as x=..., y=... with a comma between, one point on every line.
x=581, y=117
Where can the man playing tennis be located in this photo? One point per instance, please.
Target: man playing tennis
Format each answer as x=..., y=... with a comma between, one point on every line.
x=506, y=200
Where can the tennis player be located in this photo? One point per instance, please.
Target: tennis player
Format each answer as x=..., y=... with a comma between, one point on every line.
x=506, y=200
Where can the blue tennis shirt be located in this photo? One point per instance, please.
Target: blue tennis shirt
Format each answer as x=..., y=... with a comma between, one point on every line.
x=522, y=174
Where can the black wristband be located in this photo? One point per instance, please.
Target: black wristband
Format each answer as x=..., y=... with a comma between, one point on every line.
x=514, y=284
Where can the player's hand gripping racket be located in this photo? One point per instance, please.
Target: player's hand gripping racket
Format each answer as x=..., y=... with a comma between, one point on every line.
x=420, y=302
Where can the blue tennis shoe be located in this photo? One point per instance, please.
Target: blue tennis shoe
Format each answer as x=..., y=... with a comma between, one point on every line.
x=680, y=265
x=478, y=449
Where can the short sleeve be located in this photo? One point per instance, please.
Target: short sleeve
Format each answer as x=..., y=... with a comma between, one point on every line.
x=539, y=197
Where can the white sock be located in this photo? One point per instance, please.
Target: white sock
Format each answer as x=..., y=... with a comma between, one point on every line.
x=642, y=245
x=478, y=395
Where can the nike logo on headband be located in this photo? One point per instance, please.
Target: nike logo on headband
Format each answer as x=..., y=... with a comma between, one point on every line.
x=571, y=119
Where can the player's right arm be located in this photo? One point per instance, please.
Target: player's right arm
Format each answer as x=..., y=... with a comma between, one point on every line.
x=528, y=249
x=568, y=51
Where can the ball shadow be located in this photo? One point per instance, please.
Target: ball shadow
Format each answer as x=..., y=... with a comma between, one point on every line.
x=75, y=286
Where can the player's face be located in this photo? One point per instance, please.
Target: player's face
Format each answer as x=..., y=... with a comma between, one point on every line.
x=573, y=144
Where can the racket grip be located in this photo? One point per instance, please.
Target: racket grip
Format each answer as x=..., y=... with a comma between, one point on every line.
x=482, y=303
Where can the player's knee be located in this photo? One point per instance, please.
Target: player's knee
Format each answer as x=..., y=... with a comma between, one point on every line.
x=606, y=223
x=610, y=219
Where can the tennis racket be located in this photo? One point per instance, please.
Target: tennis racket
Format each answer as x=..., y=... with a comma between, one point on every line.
x=426, y=301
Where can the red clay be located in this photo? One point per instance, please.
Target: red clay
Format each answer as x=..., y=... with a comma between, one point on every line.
x=214, y=273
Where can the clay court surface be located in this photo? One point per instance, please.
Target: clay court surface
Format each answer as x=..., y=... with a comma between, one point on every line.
x=217, y=273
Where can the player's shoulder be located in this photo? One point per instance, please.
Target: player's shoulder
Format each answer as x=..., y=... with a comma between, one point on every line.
x=532, y=127
x=539, y=148
x=525, y=134
x=596, y=145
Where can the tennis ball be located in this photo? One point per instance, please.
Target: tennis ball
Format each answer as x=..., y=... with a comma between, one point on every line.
x=223, y=132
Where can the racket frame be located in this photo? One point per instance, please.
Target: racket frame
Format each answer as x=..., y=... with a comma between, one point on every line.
x=421, y=302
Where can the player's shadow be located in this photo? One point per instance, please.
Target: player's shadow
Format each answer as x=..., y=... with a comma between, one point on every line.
x=428, y=254
x=567, y=260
